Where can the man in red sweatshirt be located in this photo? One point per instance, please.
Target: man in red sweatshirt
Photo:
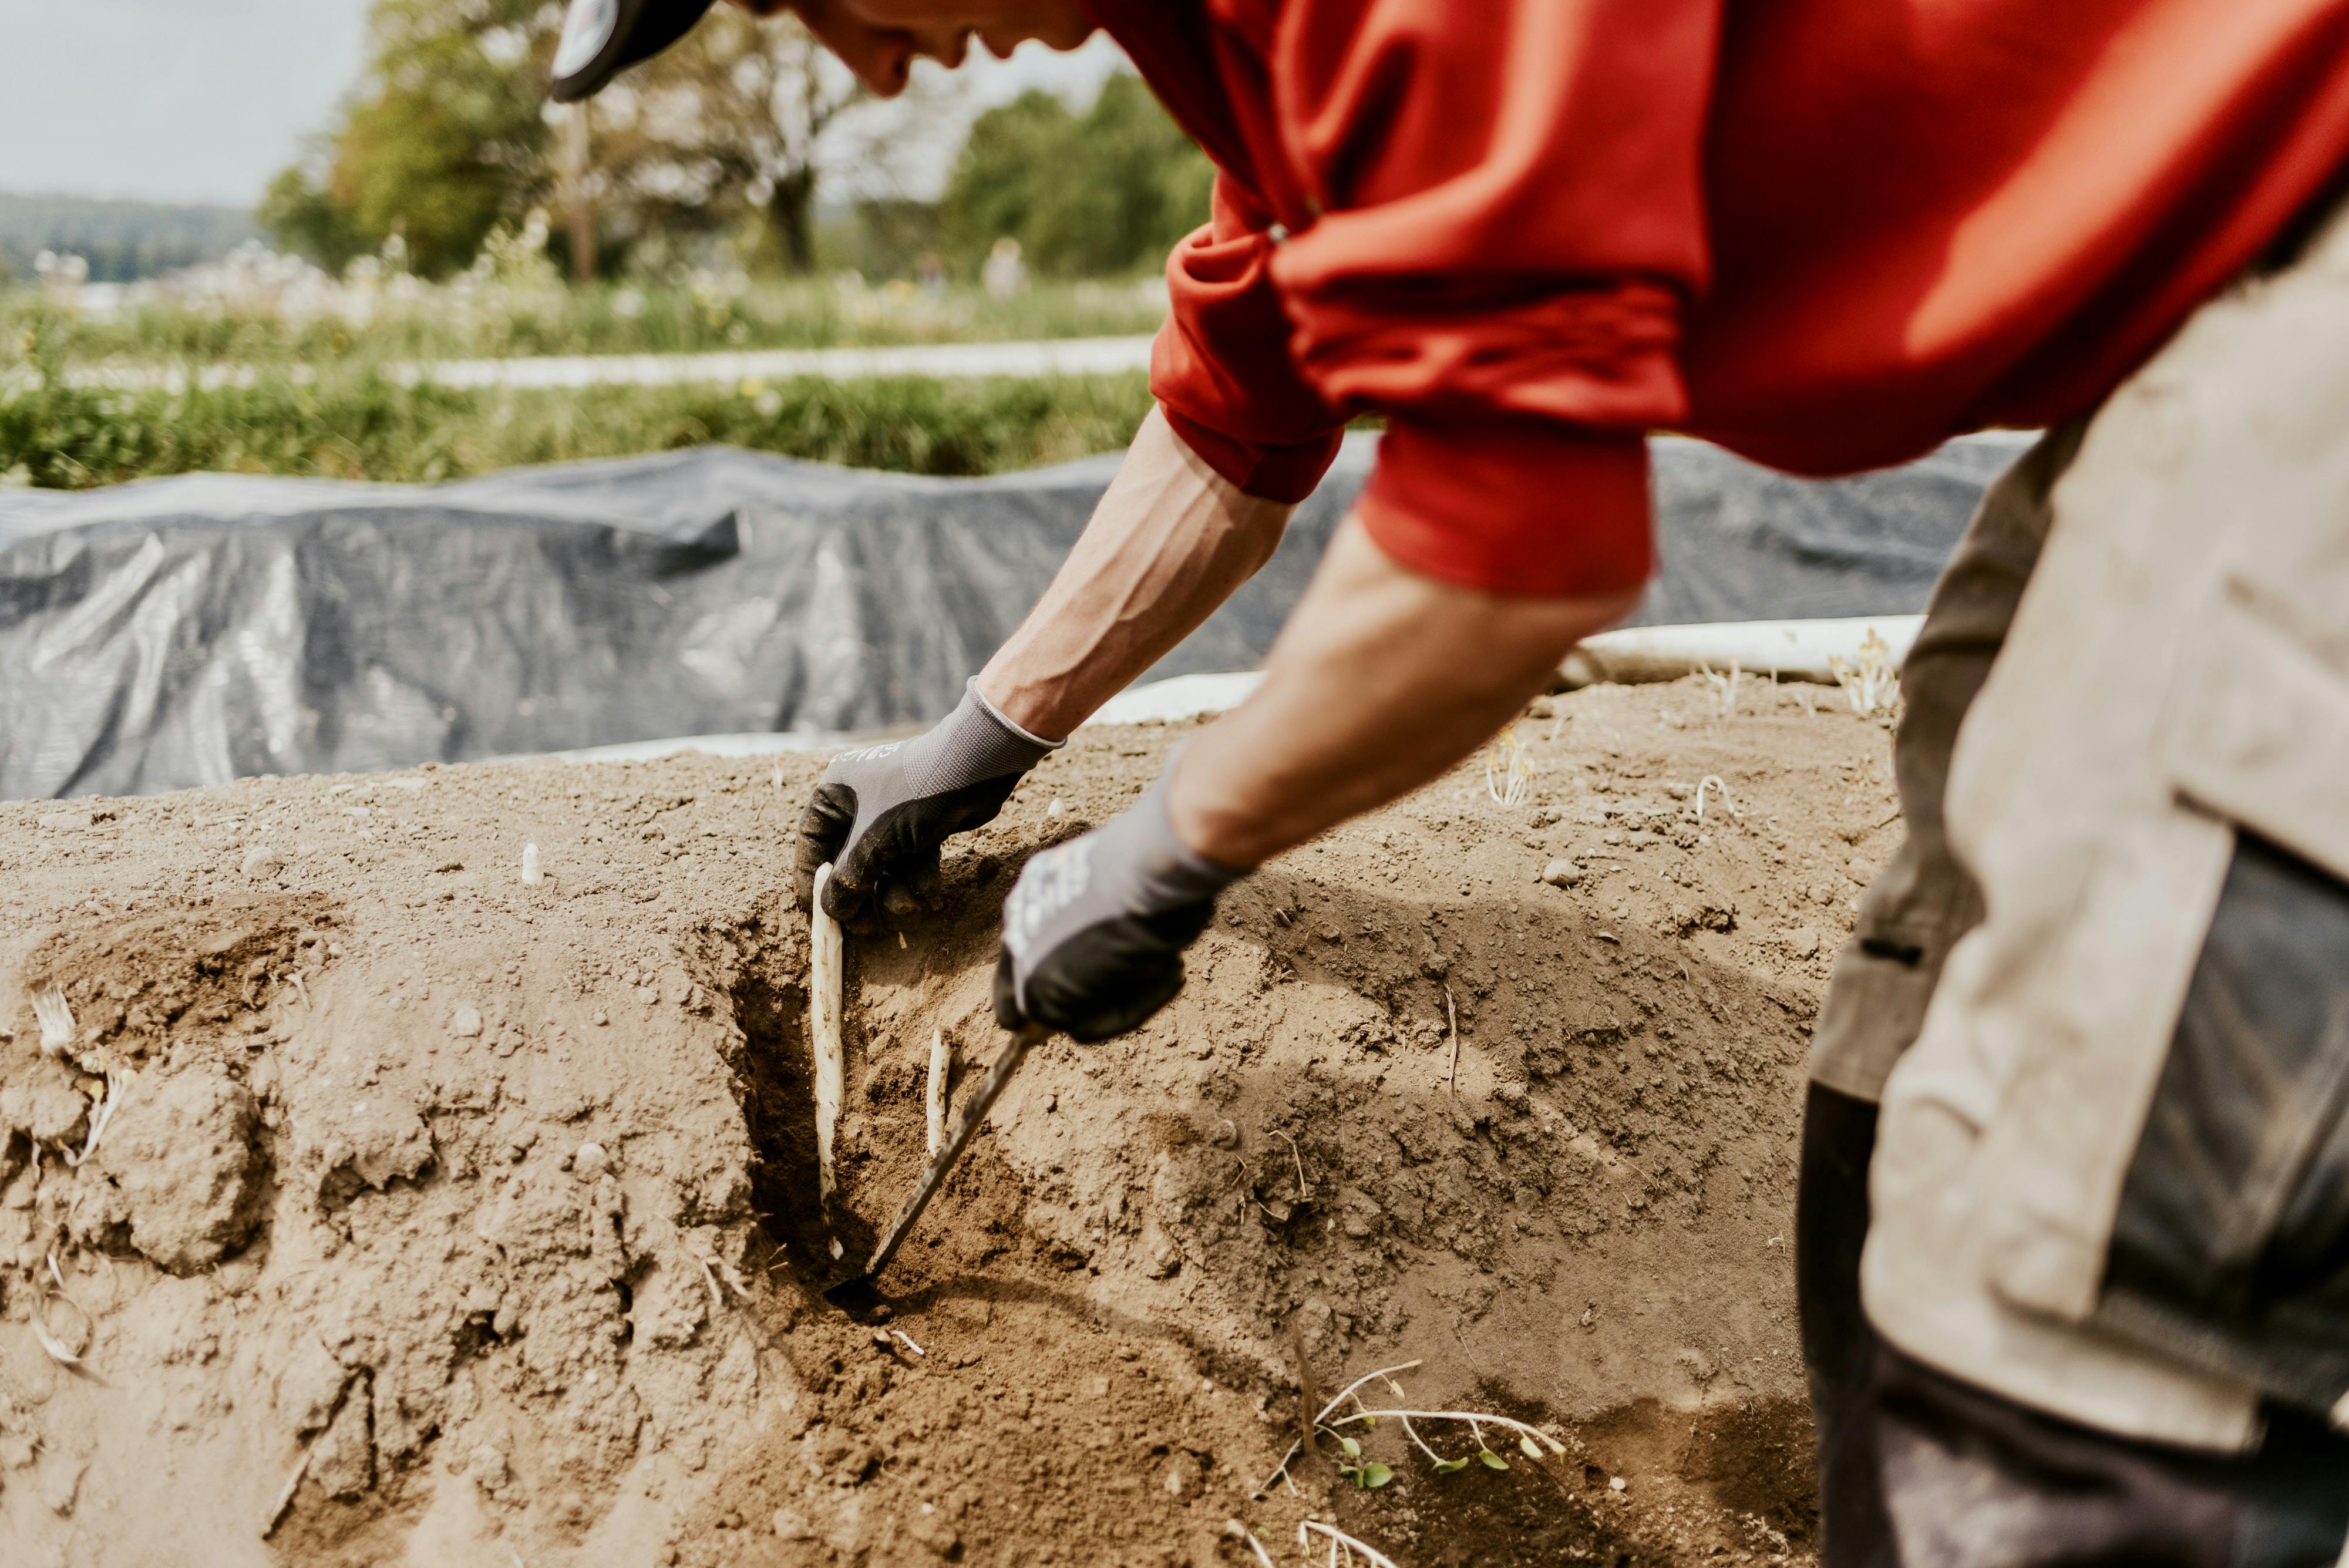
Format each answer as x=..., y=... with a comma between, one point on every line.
x=2078, y=1134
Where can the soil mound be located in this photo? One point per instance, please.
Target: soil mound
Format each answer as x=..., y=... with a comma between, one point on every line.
x=375, y=1205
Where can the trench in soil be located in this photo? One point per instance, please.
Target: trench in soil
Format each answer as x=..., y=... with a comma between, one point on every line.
x=779, y=1106
x=1718, y=1472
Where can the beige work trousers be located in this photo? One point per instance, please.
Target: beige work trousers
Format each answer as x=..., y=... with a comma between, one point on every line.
x=2141, y=646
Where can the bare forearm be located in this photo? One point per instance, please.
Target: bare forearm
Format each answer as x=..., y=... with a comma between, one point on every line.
x=1381, y=679
x=1168, y=543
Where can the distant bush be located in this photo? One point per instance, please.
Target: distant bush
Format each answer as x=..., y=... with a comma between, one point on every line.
x=1105, y=192
x=882, y=238
x=364, y=426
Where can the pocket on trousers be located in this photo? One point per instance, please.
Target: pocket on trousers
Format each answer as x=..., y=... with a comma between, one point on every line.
x=2256, y=730
x=2231, y=1246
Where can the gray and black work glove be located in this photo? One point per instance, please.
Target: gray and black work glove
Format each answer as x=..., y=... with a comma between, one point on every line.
x=880, y=814
x=1094, y=930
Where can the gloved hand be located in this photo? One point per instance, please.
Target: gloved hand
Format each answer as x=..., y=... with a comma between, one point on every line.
x=1094, y=929
x=880, y=814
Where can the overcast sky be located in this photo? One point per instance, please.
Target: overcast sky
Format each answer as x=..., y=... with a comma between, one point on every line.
x=202, y=100
x=178, y=100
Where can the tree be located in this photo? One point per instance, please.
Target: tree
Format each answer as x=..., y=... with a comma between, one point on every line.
x=1103, y=192
x=298, y=214
x=443, y=139
x=728, y=123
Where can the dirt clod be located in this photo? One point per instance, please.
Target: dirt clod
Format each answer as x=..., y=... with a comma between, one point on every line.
x=40, y=1101
x=183, y=1154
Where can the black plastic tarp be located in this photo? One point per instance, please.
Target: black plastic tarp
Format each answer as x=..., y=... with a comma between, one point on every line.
x=186, y=631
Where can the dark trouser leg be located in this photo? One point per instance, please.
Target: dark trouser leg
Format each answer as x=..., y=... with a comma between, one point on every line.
x=1973, y=1481
x=1921, y=1470
x=1838, y=1347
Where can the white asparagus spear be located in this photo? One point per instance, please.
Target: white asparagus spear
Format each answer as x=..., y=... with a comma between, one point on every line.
x=825, y=1028
x=941, y=1067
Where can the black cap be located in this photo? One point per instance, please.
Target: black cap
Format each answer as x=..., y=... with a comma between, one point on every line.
x=603, y=37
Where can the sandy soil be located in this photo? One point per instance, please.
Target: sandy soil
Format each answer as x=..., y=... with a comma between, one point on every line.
x=484, y=1214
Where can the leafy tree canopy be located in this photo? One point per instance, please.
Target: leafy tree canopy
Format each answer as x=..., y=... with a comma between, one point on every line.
x=1104, y=192
x=723, y=126
x=444, y=138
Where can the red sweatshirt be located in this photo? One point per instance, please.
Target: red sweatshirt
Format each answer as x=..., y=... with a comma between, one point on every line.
x=1826, y=233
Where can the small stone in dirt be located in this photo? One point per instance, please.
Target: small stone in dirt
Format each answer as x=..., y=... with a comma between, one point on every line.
x=790, y=1526
x=934, y=1533
x=1803, y=943
x=590, y=1161
x=310, y=1388
x=342, y=1458
x=855, y=1464
x=65, y=821
x=60, y=1481
x=466, y=1024
x=1181, y=1478
x=373, y=1143
x=1561, y=874
x=261, y=863
x=1228, y=1133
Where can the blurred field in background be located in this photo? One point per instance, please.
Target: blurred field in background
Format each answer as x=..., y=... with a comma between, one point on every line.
x=322, y=397
x=262, y=309
x=739, y=195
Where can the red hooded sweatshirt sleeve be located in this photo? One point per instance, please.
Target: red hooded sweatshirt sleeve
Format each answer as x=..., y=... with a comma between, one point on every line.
x=1221, y=369
x=1476, y=250
x=1829, y=233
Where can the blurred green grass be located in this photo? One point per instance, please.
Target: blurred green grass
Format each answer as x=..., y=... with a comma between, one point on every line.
x=363, y=425
x=404, y=320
